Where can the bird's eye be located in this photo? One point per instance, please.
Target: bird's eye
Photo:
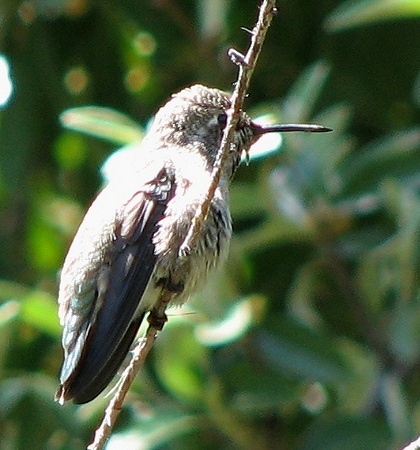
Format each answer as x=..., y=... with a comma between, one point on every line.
x=222, y=120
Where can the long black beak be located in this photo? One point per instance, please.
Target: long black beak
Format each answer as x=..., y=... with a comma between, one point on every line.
x=311, y=128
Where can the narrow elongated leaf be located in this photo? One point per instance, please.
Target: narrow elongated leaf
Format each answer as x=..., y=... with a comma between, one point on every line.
x=395, y=404
x=305, y=91
x=356, y=13
x=104, y=123
x=232, y=327
x=392, y=156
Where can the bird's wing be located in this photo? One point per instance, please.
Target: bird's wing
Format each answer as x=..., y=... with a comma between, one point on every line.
x=97, y=338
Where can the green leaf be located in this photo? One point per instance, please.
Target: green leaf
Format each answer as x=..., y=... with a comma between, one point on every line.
x=234, y=325
x=396, y=408
x=365, y=12
x=299, y=352
x=39, y=309
x=330, y=149
x=247, y=202
x=363, y=374
x=12, y=290
x=304, y=93
x=104, y=123
x=374, y=279
x=26, y=405
x=337, y=117
x=301, y=299
x=70, y=150
x=8, y=311
x=181, y=362
x=404, y=334
x=286, y=189
x=393, y=156
x=346, y=433
x=256, y=388
x=155, y=430
x=389, y=271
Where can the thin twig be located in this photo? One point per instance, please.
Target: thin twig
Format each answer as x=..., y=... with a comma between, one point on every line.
x=113, y=409
x=246, y=68
x=157, y=317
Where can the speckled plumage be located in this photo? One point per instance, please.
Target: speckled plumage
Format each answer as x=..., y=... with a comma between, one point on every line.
x=134, y=229
x=127, y=247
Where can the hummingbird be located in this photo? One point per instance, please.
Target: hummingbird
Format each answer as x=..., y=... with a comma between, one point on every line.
x=127, y=248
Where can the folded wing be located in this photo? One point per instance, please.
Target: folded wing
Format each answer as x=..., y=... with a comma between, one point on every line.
x=97, y=345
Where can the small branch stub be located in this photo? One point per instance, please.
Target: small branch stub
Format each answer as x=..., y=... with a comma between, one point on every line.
x=237, y=57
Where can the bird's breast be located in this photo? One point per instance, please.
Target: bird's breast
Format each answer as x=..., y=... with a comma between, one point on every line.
x=189, y=271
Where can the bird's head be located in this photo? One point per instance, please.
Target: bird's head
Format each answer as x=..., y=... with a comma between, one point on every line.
x=195, y=118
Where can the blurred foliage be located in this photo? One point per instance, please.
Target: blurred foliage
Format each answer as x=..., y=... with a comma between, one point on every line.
x=309, y=339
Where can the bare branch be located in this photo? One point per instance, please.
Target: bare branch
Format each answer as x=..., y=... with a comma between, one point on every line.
x=157, y=317
x=246, y=68
x=113, y=409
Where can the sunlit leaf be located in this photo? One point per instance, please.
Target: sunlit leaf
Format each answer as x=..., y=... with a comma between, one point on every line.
x=45, y=252
x=39, y=309
x=8, y=311
x=103, y=123
x=237, y=321
x=268, y=143
x=212, y=17
x=286, y=193
x=396, y=407
x=154, y=431
x=363, y=12
x=181, y=362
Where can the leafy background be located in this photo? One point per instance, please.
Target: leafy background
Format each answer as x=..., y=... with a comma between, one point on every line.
x=309, y=337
